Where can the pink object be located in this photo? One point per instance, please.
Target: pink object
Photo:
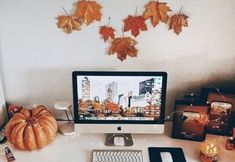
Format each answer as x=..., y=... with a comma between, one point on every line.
x=13, y=109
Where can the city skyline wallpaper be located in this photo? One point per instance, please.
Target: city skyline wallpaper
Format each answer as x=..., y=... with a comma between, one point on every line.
x=119, y=97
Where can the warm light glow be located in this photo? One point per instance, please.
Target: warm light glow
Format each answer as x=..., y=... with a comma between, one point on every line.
x=209, y=151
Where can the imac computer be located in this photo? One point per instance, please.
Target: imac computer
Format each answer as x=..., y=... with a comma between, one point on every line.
x=119, y=103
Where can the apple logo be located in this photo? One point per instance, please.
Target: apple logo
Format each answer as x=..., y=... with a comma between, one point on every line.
x=119, y=128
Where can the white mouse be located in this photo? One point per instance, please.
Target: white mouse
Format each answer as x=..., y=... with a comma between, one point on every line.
x=166, y=157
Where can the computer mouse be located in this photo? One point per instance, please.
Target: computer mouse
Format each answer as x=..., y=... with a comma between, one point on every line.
x=166, y=157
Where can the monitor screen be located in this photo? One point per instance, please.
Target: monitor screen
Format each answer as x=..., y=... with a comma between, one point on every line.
x=119, y=96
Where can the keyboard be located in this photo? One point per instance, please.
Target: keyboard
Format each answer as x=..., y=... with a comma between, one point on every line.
x=117, y=156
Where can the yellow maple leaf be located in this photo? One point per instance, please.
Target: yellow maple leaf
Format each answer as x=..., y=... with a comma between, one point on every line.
x=68, y=23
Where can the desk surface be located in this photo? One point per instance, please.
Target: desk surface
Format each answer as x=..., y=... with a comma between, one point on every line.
x=78, y=148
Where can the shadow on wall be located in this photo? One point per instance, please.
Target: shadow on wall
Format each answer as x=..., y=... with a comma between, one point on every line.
x=196, y=73
x=48, y=85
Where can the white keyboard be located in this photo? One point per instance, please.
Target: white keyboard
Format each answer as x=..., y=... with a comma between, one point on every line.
x=117, y=156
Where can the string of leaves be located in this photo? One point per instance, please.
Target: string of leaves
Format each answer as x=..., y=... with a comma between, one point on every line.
x=88, y=11
x=156, y=12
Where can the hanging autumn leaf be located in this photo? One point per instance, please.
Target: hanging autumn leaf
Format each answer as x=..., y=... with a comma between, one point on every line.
x=107, y=32
x=88, y=11
x=177, y=21
x=135, y=24
x=123, y=46
x=157, y=11
x=68, y=23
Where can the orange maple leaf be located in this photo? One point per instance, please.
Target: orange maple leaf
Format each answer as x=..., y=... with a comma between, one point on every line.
x=123, y=46
x=68, y=23
x=107, y=32
x=177, y=21
x=157, y=11
x=135, y=24
x=88, y=11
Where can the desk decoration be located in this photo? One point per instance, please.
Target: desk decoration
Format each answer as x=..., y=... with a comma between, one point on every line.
x=107, y=32
x=86, y=12
x=156, y=11
x=9, y=155
x=68, y=23
x=177, y=21
x=31, y=129
x=209, y=151
x=230, y=143
x=189, y=121
x=13, y=109
x=123, y=47
x=135, y=24
x=68, y=127
x=222, y=110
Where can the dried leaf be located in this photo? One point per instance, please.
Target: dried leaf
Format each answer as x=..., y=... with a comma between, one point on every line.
x=88, y=11
x=177, y=21
x=157, y=11
x=107, y=32
x=123, y=46
x=135, y=24
x=68, y=23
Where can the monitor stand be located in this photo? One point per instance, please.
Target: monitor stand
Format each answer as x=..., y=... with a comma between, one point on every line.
x=118, y=139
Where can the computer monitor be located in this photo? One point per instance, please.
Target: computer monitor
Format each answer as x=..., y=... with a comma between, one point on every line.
x=119, y=102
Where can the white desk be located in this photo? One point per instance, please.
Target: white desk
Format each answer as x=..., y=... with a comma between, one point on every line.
x=78, y=148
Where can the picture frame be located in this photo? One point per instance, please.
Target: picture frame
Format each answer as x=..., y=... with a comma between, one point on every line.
x=221, y=112
x=189, y=122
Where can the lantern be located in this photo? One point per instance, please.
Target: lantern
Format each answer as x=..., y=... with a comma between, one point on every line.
x=209, y=151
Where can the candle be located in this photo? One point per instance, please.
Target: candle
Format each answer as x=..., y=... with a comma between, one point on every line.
x=230, y=144
x=209, y=151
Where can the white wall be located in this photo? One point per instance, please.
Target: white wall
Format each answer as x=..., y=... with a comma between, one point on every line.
x=37, y=58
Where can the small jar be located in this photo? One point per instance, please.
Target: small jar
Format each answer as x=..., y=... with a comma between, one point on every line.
x=230, y=143
x=209, y=151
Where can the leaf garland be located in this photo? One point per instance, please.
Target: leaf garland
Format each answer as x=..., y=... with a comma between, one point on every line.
x=89, y=11
x=135, y=24
x=86, y=12
x=156, y=11
x=107, y=32
x=123, y=47
x=177, y=22
x=68, y=23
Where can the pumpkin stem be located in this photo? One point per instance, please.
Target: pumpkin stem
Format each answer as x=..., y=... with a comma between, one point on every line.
x=31, y=121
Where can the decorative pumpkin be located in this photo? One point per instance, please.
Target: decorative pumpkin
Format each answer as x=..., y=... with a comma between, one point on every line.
x=31, y=129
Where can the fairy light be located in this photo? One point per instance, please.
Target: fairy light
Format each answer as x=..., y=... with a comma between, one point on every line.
x=168, y=117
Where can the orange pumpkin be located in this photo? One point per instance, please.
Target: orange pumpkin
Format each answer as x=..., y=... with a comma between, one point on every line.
x=31, y=129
